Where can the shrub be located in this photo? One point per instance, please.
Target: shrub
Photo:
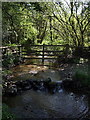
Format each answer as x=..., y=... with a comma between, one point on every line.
x=10, y=61
x=6, y=115
x=7, y=61
x=83, y=77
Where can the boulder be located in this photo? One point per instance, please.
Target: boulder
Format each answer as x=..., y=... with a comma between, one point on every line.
x=19, y=84
x=46, y=81
x=54, y=86
x=11, y=90
x=26, y=85
x=58, y=85
x=35, y=86
x=39, y=85
x=31, y=81
x=23, y=85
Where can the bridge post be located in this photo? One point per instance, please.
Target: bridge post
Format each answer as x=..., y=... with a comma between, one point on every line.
x=7, y=49
x=66, y=50
x=43, y=54
x=19, y=50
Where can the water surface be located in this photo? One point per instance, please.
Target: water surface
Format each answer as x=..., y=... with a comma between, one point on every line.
x=37, y=104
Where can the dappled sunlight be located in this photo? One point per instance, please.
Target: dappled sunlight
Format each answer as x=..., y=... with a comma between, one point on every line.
x=24, y=69
x=46, y=59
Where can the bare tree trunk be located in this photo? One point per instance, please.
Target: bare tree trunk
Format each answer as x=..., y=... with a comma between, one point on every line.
x=50, y=28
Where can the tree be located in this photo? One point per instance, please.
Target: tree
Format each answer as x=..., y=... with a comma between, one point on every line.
x=73, y=25
x=49, y=23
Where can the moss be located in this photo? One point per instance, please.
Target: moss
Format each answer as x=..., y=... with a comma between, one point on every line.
x=6, y=115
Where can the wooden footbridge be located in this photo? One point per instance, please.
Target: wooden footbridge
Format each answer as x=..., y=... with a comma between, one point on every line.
x=37, y=51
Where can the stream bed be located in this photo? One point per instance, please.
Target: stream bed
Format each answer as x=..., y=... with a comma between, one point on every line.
x=41, y=104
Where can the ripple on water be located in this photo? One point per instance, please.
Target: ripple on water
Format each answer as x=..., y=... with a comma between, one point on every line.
x=32, y=104
x=37, y=104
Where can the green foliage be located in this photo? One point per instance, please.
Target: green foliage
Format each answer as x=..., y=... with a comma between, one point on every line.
x=83, y=77
x=10, y=60
x=45, y=23
x=6, y=72
x=6, y=115
x=11, y=45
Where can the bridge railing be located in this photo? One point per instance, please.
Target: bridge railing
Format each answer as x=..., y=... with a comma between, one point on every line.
x=38, y=51
x=46, y=51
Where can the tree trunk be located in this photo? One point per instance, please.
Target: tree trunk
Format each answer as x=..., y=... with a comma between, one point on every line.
x=51, y=29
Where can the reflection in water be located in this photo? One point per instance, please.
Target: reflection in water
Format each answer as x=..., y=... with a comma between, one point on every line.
x=36, y=104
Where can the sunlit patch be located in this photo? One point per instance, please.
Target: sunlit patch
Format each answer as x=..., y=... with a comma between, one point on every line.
x=38, y=67
x=21, y=74
x=52, y=71
x=40, y=56
x=33, y=72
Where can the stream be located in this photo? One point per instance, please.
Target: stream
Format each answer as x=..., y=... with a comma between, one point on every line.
x=38, y=104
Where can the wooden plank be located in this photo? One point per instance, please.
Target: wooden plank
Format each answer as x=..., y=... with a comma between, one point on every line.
x=15, y=52
x=48, y=45
x=44, y=54
x=44, y=51
x=36, y=58
x=33, y=51
x=52, y=54
x=53, y=51
x=3, y=47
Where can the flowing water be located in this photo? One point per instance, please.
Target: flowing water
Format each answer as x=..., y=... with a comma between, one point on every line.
x=37, y=104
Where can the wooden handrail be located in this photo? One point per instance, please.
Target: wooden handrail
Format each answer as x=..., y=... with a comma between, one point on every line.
x=3, y=47
x=43, y=51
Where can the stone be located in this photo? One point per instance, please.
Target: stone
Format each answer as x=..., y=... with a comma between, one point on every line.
x=58, y=85
x=26, y=85
x=35, y=86
x=11, y=90
x=23, y=85
x=41, y=86
x=47, y=81
x=53, y=87
x=19, y=84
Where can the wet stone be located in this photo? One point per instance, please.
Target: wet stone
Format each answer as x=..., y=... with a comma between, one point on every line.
x=42, y=85
x=46, y=81
x=54, y=87
x=19, y=84
x=11, y=90
x=35, y=86
x=26, y=85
